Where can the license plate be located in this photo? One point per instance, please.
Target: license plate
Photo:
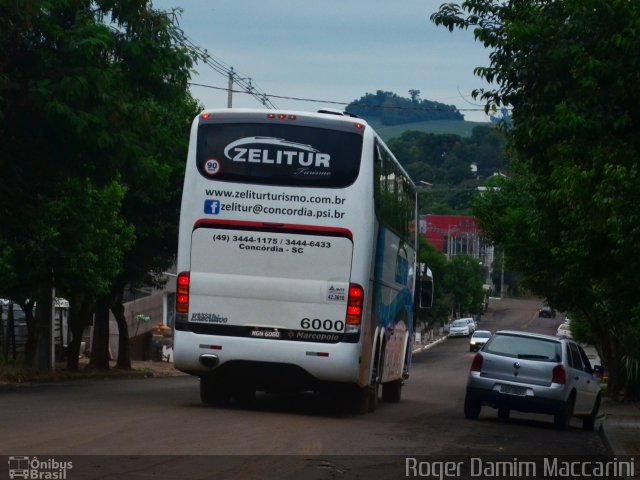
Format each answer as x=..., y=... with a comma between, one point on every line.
x=513, y=390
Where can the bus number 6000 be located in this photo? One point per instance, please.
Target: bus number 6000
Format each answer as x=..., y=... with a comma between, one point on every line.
x=317, y=324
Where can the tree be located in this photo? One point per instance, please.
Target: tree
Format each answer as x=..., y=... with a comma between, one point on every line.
x=437, y=262
x=458, y=284
x=464, y=279
x=567, y=215
x=93, y=101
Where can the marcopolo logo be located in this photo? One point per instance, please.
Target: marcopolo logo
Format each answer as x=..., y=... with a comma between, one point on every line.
x=276, y=151
x=38, y=469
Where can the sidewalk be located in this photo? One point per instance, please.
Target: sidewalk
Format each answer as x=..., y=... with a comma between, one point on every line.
x=620, y=428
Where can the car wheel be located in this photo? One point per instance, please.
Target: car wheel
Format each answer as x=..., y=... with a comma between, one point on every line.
x=562, y=419
x=472, y=407
x=588, y=423
x=503, y=413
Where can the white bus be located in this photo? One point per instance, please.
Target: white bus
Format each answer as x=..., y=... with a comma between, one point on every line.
x=296, y=258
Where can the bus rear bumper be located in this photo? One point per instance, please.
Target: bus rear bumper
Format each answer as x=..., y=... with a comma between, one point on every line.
x=265, y=361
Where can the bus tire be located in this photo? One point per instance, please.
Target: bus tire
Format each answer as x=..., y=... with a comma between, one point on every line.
x=213, y=393
x=363, y=400
x=392, y=391
x=243, y=396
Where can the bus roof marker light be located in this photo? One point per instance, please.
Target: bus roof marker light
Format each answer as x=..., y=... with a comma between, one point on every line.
x=359, y=125
x=271, y=116
x=292, y=117
x=205, y=116
x=281, y=116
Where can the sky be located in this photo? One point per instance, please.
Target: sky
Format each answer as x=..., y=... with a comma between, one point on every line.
x=331, y=50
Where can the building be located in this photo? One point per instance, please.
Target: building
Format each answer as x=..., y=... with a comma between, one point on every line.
x=457, y=235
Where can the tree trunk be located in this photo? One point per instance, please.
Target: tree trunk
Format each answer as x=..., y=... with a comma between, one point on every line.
x=80, y=312
x=32, y=332
x=100, y=345
x=42, y=355
x=124, y=346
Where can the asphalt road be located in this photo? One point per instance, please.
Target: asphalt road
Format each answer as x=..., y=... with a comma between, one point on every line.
x=163, y=417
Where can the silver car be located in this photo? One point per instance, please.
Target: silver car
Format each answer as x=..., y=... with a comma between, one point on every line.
x=459, y=328
x=530, y=372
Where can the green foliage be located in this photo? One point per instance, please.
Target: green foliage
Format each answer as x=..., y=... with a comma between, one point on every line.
x=458, y=284
x=464, y=279
x=446, y=159
x=437, y=262
x=568, y=216
x=94, y=110
x=392, y=109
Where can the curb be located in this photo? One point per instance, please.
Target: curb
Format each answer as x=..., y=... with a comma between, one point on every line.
x=422, y=348
x=608, y=436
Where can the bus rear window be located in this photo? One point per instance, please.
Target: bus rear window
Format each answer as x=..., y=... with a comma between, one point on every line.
x=276, y=154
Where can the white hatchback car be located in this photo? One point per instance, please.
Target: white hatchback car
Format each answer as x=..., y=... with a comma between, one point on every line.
x=478, y=339
x=564, y=331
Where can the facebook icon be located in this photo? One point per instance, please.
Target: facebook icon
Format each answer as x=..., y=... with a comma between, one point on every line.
x=212, y=207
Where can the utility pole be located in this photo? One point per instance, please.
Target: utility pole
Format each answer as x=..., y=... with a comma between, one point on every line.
x=230, y=89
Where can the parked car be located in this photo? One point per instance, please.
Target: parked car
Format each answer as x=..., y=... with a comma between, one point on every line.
x=564, y=331
x=471, y=322
x=459, y=328
x=478, y=339
x=531, y=372
x=547, y=312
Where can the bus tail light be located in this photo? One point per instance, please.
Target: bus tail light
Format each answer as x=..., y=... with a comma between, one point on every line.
x=182, y=295
x=355, y=303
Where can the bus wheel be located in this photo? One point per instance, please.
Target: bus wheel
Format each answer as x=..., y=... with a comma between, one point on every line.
x=363, y=400
x=374, y=393
x=392, y=391
x=213, y=393
x=243, y=396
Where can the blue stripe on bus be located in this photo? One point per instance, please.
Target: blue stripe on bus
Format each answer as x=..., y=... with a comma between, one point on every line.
x=387, y=314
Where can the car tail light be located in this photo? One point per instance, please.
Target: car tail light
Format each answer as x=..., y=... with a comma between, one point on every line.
x=182, y=293
x=476, y=365
x=559, y=375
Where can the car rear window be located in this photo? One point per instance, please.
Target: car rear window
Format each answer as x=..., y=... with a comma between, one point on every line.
x=532, y=348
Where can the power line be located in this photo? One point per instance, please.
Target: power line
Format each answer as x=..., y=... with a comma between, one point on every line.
x=250, y=88
x=223, y=68
x=334, y=102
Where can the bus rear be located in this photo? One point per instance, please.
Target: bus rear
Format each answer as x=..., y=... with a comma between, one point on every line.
x=276, y=240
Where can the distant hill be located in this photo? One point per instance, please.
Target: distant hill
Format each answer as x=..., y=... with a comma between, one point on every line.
x=438, y=127
x=391, y=115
